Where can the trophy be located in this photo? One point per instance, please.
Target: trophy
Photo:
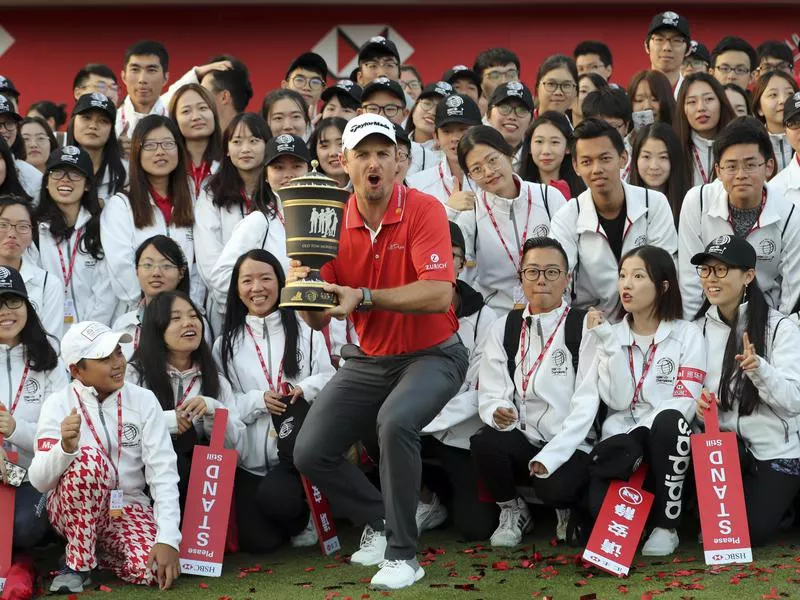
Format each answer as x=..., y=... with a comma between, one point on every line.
x=313, y=207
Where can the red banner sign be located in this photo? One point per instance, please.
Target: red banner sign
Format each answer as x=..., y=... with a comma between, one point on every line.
x=720, y=497
x=619, y=525
x=7, y=497
x=208, y=504
x=323, y=520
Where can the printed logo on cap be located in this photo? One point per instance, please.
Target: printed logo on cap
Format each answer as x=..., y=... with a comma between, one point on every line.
x=455, y=106
x=285, y=143
x=382, y=80
x=345, y=84
x=93, y=331
x=692, y=47
x=718, y=245
x=5, y=105
x=377, y=39
x=4, y=273
x=514, y=88
x=670, y=18
x=458, y=68
x=71, y=150
x=98, y=100
x=443, y=88
x=3, y=82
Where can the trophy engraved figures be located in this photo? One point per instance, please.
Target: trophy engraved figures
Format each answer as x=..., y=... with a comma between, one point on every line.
x=313, y=208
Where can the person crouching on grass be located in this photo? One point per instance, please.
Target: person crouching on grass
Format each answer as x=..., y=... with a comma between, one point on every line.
x=100, y=441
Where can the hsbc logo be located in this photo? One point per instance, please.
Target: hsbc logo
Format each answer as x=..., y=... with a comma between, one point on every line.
x=339, y=47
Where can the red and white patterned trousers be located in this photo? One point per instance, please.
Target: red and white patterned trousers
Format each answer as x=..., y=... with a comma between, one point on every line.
x=78, y=510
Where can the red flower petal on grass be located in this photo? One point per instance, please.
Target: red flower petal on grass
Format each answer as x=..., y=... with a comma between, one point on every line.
x=309, y=569
x=500, y=566
x=773, y=595
x=622, y=589
x=105, y=588
x=203, y=586
x=554, y=542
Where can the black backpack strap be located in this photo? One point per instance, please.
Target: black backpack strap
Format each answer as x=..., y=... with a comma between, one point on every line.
x=786, y=225
x=546, y=205
x=477, y=321
x=701, y=200
x=511, y=340
x=573, y=294
x=573, y=332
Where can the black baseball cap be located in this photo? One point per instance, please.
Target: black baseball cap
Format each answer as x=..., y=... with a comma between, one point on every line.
x=287, y=144
x=95, y=101
x=457, y=108
x=11, y=282
x=457, y=237
x=462, y=72
x=699, y=51
x=440, y=88
x=378, y=46
x=670, y=20
x=7, y=87
x=384, y=84
x=343, y=87
x=73, y=157
x=730, y=249
x=513, y=90
x=791, y=108
x=310, y=61
x=7, y=108
x=401, y=136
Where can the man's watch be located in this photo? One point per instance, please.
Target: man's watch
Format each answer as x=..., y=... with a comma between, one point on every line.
x=366, y=300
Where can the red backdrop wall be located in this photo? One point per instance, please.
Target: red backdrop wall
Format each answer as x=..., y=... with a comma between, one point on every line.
x=52, y=44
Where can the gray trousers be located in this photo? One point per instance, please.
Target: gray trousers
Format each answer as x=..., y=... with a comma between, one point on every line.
x=397, y=396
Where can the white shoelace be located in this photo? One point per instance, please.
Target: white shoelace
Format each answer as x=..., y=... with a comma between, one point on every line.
x=391, y=564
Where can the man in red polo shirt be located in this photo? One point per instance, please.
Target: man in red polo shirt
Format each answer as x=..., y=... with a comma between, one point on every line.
x=394, y=277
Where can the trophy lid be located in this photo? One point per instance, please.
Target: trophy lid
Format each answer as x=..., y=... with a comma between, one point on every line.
x=312, y=179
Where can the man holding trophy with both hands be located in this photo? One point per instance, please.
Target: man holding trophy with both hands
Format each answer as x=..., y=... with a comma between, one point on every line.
x=393, y=277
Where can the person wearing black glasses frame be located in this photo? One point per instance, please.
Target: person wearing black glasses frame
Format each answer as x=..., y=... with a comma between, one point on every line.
x=733, y=60
x=307, y=75
x=774, y=56
x=667, y=43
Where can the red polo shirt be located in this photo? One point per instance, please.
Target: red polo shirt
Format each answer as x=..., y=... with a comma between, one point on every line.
x=413, y=243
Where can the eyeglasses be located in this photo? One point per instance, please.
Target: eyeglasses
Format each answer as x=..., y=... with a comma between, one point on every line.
x=163, y=267
x=315, y=83
x=477, y=171
x=565, y=86
x=495, y=76
x=9, y=125
x=727, y=70
x=72, y=175
x=533, y=274
x=11, y=301
x=21, y=228
x=39, y=140
x=695, y=63
x=402, y=156
x=373, y=65
x=427, y=104
x=410, y=84
x=102, y=87
x=704, y=271
x=675, y=42
x=389, y=111
x=517, y=109
x=779, y=66
x=733, y=168
x=166, y=146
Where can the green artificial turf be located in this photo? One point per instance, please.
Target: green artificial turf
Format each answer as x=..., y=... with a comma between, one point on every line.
x=455, y=570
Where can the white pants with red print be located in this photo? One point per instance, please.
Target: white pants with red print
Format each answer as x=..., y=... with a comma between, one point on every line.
x=78, y=510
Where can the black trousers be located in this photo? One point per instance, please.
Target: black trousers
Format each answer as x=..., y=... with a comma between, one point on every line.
x=665, y=448
x=269, y=509
x=456, y=481
x=502, y=457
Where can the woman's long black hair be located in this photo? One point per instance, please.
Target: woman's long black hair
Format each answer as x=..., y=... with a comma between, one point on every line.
x=733, y=383
x=150, y=357
x=112, y=158
x=11, y=184
x=337, y=122
x=38, y=348
x=233, y=325
x=49, y=212
x=530, y=172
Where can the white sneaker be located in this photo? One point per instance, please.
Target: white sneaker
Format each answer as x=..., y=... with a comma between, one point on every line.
x=371, y=549
x=396, y=574
x=306, y=538
x=515, y=521
x=430, y=516
x=562, y=514
x=662, y=542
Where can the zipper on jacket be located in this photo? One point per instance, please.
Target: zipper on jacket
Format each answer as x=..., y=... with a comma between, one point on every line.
x=8, y=370
x=105, y=428
x=72, y=284
x=265, y=333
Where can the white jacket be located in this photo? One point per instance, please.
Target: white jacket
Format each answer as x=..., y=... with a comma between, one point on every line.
x=787, y=183
x=104, y=191
x=560, y=405
x=775, y=237
x=438, y=181
x=30, y=178
x=705, y=152
x=592, y=262
x=184, y=382
x=260, y=451
x=147, y=455
x=203, y=182
x=421, y=158
x=256, y=230
x=90, y=284
x=213, y=228
x=771, y=430
x=783, y=150
x=46, y=295
x=128, y=118
x=674, y=380
x=38, y=386
x=495, y=275
x=121, y=238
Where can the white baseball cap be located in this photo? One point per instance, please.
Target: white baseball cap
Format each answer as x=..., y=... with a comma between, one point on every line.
x=361, y=126
x=92, y=340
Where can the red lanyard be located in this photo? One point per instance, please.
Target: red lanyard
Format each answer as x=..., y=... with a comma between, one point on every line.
x=280, y=216
x=272, y=388
x=500, y=235
x=136, y=333
x=651, y=353
x=102, y=448
x=444, y=185
x=68, y=273
x=188, y=389
x=199, y=174
x=21, y=387
x=248, y=204
x=699, y=164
